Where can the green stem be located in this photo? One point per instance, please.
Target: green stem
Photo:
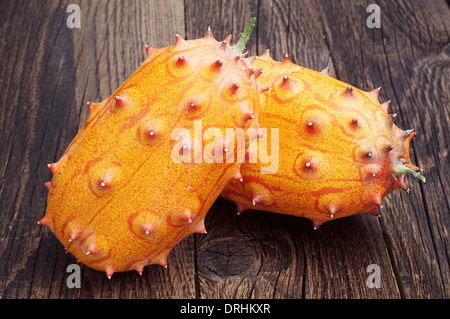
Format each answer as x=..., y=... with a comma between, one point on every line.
x=402, y=169
x=239, y=47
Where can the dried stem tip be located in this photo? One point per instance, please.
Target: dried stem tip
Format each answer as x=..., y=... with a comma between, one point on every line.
x=402, y=169
x=239, y=47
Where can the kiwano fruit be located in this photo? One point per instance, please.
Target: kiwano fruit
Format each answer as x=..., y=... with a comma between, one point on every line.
x=137, y=178
x=339, y=150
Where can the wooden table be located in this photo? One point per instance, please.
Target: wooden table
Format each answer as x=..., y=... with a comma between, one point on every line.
x=49, y=71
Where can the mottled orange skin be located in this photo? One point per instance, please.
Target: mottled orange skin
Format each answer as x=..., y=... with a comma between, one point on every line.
x=117, y=200
x=326, y=132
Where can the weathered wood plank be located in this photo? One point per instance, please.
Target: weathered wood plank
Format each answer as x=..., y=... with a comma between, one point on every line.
x=408, y=57
x=339, y=254
x=33, y=115
x=58, y=69
x=224, y=18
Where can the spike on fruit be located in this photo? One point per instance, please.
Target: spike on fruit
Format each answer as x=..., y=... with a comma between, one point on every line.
x=74, y=234
x=286, y=59
x=148, y=228
x=250, y=72
x=184, y=217
x=53, y=168
x=193, y=106
x=369, y=154
x=262, y=88
x=247, y=117
x=240, y=208
x=92, y=107
x=257, y=199
x=109, y=272
x=217, y=65
x=266, y=55
x=401, y=183
x=286, y=82
x=386, y=105
x=237, y=176
x=374, y=211
x=257, y=72
x=349, y=92
x=179, y=40
x=150, y=51
x=391, y=119
x=120, y=101
x=372, y=174
x=234, y=87
x=332, y=210
x=388, y=147
x=181, y=61
x=139, y=269
x=326, y=71
x=162, y=261
x=228, y=39
x=200, y=228
x=209, y=33
x=104, y=182
x=91, y=250
x=411, y=135
x=223, y=46
x=151, y=132
x=405, y=134
x=374, y=94
x=377, y=199
x=250, y=60
x=43, y=221
x=259, y=133
x=317, y=224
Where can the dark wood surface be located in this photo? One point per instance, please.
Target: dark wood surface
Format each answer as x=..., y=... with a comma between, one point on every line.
x=48, y=72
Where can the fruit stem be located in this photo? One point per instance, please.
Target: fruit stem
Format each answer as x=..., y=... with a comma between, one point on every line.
x=239, y=47
x=402, y=169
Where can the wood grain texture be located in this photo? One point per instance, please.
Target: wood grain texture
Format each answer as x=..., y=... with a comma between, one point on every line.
x=48, y=72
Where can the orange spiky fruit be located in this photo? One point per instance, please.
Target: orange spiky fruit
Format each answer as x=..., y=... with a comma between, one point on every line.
x=335, y=150
x=137, y=178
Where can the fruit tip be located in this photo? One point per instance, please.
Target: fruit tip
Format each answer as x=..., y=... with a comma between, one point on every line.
x=43, y=221
x=326, y=71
